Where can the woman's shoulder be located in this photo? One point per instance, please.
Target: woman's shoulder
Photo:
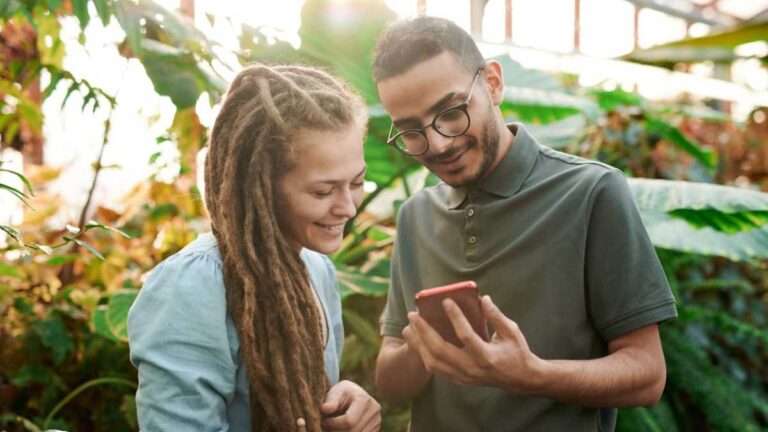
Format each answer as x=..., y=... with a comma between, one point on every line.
x=204, y=244
x=192, y=278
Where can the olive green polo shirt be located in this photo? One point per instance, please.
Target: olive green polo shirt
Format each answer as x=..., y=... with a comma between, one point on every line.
x=558, y=244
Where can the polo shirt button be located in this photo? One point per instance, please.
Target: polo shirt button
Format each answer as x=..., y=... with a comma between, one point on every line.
x=471, y=212
x=472, y=239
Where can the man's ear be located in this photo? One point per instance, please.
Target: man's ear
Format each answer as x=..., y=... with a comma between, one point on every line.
x=494, y=79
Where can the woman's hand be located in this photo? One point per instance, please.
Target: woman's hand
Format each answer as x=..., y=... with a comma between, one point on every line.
x=347, y=407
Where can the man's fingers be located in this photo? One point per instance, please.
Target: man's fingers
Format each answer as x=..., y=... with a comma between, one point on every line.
x=438, y=355
x=500, y=323
x=461, y=325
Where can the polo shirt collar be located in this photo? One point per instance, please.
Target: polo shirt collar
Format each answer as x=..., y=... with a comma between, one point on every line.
x=507, y=178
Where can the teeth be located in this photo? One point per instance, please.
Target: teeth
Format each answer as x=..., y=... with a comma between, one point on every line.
x=333, y=228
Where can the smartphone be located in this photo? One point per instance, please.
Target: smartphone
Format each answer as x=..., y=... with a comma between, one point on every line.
x=429, y=304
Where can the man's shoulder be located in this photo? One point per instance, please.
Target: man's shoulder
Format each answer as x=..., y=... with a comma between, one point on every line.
x=581, y=170
x=567, y=160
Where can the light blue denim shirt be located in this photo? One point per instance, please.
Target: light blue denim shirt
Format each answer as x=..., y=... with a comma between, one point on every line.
x=185, y=346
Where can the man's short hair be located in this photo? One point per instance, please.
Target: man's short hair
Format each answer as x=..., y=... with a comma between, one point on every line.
x=405, y=44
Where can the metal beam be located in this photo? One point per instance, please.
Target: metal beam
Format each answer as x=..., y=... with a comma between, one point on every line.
x=476, y=12
x=688, y=11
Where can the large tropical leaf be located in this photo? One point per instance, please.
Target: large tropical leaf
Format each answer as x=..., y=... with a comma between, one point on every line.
x=533, y=105
x=516, y=75
x=176, y=55
x=668, y=195
x=560, y=133
x=533, y=96
x=718, y=46
x=177, y=74
x=342, y=35
x=704, y=218
x=676, y=137
x=352, y=281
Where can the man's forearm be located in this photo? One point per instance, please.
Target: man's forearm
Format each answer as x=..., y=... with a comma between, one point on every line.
x=621, y=379
x=400, y=373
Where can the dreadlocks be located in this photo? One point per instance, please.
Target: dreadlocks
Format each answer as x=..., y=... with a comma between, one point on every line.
x=268, y=293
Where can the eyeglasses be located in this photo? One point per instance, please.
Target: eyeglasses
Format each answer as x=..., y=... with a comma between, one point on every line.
x=450, y=122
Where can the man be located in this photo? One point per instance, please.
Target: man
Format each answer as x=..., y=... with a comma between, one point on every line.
x=571, y=285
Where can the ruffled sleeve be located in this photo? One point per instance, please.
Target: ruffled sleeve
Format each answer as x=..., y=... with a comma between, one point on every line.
x=184, y=346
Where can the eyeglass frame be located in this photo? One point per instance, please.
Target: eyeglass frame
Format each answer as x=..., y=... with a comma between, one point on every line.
x=464, y=106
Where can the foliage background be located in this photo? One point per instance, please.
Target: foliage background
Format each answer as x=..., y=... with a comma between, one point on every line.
x=65, y=288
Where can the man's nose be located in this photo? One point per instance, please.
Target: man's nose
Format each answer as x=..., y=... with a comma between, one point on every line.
x=438, y=143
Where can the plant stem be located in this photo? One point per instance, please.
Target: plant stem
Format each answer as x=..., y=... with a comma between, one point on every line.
x=83, y=387
x=97, y=170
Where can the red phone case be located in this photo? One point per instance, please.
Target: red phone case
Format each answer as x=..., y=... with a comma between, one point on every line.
x=429, y=303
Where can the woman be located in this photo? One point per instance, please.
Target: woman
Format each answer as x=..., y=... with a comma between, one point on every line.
x=241, y=330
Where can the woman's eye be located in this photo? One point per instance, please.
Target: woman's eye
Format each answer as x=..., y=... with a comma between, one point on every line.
x=356, y=185
x=323, y=193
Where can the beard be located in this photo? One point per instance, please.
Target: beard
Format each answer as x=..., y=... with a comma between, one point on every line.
x=489, y=149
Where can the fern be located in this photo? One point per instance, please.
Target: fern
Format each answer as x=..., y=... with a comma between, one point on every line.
x=725, y=405
x=660, y=418
x=721, y=322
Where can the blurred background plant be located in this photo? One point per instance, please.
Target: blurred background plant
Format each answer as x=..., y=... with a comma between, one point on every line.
x=66, y=282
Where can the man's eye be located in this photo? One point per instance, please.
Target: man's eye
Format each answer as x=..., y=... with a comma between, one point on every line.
x=356, y=185
x=323, y=193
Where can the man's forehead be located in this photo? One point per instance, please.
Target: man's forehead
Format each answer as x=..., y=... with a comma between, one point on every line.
x=413, y=92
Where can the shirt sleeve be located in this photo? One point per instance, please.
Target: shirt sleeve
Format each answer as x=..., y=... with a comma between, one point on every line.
x=334, y=305
x=180, y=342
x=626, y=285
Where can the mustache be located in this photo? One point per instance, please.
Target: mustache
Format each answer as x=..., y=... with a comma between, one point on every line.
x=448, y=154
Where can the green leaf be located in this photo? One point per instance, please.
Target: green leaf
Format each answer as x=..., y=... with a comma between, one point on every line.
x=560, y=133
x=362, y=327
x=129, y=20
x=516, y=75
x=532, y=105
x=23, y=306
x=670, y=195
x=154, y=156
x=351, y=281
x=104, y=9
x=717, y=46
x=21, y=196
x=610, y=99
x=81, y=12
x=177, y=73
x=42, y=248
x=53, y=4
x=61, y=259
x=13, y=233
x=55, y=336
x=99, y=322
x=72, y=88
x=31, y=373
x=94, y=224
x=729, y=223
x=128, y=408
x=703, y=218
x=117, y=312
x=89, y=247
x=674, y=136
x=9, y=270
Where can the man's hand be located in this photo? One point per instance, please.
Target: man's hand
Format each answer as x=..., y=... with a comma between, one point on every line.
x=505, y=361
x=347, y=407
